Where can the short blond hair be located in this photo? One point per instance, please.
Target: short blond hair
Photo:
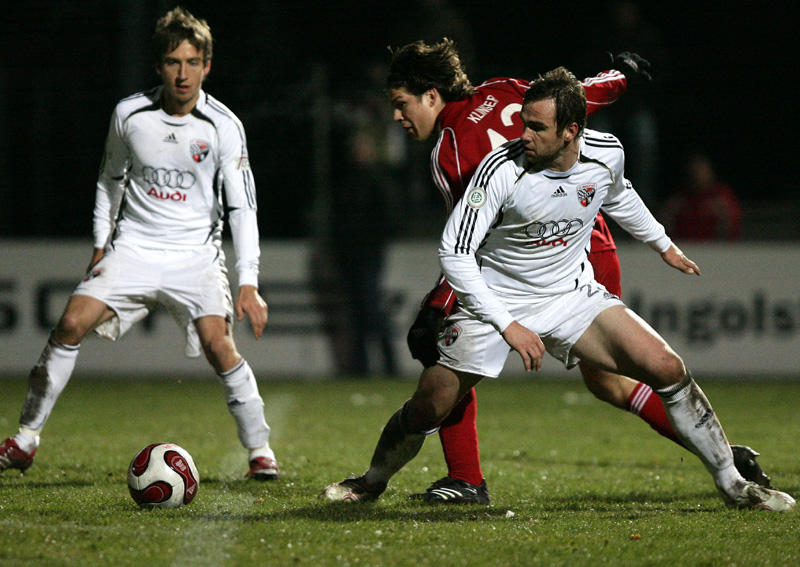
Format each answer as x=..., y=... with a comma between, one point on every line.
x=179, y=25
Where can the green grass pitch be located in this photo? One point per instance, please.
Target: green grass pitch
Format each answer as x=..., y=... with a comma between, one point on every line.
x=574, y=482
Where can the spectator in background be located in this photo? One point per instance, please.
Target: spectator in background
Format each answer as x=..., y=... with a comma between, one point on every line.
x=704, y=207
x=358, y=222
x=636, y=122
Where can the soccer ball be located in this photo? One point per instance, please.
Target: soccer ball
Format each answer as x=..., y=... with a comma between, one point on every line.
x=163, y=475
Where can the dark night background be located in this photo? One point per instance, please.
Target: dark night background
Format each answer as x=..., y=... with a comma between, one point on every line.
x=723, y=80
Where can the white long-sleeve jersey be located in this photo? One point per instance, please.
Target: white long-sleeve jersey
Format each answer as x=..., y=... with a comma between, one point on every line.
x=521, y=236
x=162, y=180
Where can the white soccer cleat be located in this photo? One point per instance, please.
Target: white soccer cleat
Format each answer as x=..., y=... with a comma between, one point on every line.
x=758, y=497
x=352, y=490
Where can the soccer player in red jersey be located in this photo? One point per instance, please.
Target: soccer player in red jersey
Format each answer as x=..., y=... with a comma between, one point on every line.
x=431, y=94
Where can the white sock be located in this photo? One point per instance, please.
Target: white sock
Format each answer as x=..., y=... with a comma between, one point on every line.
x=45, y=383
x=27, y=439
x=697, y=426
x=246, y=407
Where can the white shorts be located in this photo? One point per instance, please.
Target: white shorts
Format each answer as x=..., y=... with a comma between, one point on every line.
x=469, y=345
x=131, y=280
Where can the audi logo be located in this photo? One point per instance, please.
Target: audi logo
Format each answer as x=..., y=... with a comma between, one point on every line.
x=553, y=229
x=172, y=178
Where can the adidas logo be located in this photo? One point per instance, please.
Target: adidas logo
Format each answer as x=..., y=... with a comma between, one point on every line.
x=171, y=139
x=559, y=192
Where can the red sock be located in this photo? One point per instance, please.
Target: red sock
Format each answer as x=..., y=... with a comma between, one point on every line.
x=459, y=436
x=647, y=405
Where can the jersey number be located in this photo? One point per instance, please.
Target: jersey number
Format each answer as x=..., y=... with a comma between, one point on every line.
x=507, y=117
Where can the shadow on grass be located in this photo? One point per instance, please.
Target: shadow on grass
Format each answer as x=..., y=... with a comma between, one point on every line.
x=395, y=508
x=348, y=512
x=21, y=481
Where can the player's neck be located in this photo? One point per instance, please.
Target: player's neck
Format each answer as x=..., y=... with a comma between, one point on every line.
x=174, y=107
x=566, y=159
x=562, y=161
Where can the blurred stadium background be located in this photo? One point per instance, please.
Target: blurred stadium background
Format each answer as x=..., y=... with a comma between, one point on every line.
x=303, y=76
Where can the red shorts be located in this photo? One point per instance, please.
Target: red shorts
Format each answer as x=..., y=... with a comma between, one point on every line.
x=606, y=270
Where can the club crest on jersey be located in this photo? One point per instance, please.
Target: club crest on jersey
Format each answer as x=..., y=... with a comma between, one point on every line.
x=450, y=334
x=477, y=197
x=586, y=194
x=199, y=150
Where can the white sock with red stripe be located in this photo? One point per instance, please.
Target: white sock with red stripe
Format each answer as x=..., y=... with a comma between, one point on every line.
x=650, y=408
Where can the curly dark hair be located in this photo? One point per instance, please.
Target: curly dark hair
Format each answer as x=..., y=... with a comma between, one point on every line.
x=420, y=67
x=567, y=92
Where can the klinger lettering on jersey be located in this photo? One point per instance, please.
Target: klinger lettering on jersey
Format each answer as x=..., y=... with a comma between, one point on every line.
x=484, y=109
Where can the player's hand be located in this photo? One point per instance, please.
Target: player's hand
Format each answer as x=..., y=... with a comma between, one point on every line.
x=253, y=305
x=633, y=66
x=675, y=258
x=423, y=334
x=97, y=255
x=527, y=343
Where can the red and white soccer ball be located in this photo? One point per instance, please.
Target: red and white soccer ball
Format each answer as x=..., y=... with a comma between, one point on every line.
x=163, y=475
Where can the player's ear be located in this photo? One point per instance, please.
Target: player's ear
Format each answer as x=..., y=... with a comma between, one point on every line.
x=570, y=132
x=431, y=96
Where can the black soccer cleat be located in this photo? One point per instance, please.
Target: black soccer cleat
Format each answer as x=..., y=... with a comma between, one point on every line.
x=744, y=459
x=454, y=491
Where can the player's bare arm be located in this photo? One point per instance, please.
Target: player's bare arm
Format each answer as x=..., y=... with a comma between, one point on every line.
x=527, y=343
x=97, y=255
x=675, y=258
x=250, y=303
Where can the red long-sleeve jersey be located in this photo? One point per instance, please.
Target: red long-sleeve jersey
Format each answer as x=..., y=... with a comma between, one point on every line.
x=471, y=128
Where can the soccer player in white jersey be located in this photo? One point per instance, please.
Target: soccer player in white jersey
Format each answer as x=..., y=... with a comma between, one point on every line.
x=515, y=251
x=170, y=154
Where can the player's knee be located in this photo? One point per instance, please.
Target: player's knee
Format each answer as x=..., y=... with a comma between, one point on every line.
x=221, y=352
x=70, y=329
x=671, y=368
x=423, y=413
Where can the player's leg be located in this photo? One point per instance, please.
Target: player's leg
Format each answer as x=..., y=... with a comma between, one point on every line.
x=464, y=483
x=617, y=390
x=630, y=395
x=50, y=375
x=241, y=394
x=639, y=398
x=438, y=391
x=620, y=341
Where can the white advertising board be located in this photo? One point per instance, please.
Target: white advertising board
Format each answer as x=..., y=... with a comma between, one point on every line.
x=740, y=318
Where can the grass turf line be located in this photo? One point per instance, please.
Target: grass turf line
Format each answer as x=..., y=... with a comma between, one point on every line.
x=573, y=481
